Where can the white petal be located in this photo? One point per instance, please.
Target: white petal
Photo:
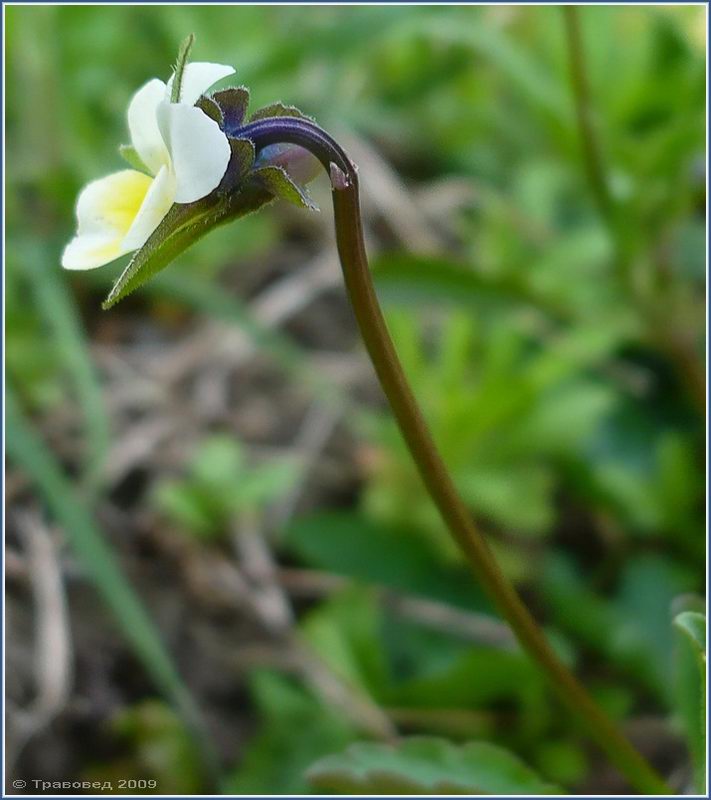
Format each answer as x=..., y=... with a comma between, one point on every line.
x=198, y=149
x=199, y=76
x=158, y=200
x=106, y=209
x=143, y=125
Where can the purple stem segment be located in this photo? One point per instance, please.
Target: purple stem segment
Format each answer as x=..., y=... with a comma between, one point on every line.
x=294, y=130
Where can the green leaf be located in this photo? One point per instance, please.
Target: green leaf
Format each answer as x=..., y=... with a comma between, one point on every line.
x=502, y=676
x=561, y=761
x=219, y=461
x=278, y=110
x=358, y=547
x=263, y=484
x=295, y=730
x=424, y=765
x=631, y=629
x=219, y=485
x=190, y=508
x=346, y=632
x=129, y=154
x=411, y=278
x=277, y=181
x=693, y=626
x=648, y=585
x=181, y=227
x=691, y=688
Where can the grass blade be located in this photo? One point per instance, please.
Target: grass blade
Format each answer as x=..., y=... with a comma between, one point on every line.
x=60, y=314
x=95, y=555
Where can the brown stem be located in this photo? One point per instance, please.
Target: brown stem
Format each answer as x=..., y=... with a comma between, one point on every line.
x=434, y=473
x=354, y=262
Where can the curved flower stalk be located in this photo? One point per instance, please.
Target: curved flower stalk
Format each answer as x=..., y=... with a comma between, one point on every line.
x=269, y=158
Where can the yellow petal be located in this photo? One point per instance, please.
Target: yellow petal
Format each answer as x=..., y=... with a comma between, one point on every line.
x=106, y=209
x=155, y=206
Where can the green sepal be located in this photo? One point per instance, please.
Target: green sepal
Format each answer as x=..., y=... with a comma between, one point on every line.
x=278, y=182
x=279, y=110
x=210, y=107
x=182, y=226
x=233, y=103
x=129, y=154
x=180, y=64
x=241, y=162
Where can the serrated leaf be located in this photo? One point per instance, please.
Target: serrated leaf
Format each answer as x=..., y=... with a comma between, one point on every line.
x=129, y=154
x=278, y=110
x=278, y=182
x=425, y=765
x=233, y=103
x=182, y=226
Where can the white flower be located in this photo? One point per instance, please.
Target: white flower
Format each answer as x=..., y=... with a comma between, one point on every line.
x=186, y=153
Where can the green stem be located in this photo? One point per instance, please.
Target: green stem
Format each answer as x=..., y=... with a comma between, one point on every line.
x=349, y=235
x=592, y=157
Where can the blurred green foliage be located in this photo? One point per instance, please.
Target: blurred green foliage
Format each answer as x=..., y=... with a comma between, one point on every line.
x=557, y=350
x=691, y=687
x=221, y=486
x=294, y=727
x=426, y=766
x=155, y=748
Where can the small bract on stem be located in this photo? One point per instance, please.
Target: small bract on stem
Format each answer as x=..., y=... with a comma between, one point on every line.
x=263, y=163
x=180, y=63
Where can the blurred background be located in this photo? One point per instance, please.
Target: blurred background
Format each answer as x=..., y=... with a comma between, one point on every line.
x=221, y=565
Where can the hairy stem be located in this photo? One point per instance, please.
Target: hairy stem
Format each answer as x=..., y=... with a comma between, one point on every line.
x=180, y=64
x=351, y=249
